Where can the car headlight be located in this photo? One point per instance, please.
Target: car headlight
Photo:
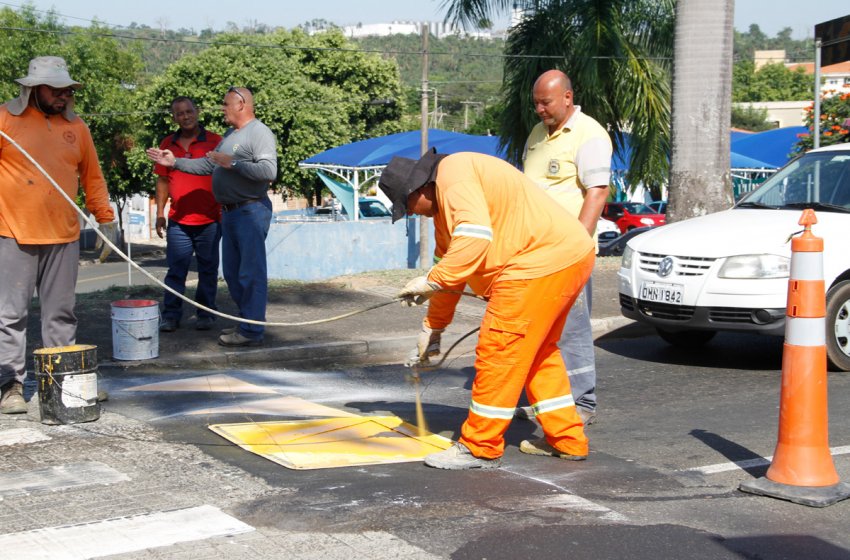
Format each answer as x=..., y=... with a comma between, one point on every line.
x=647, y=221
x=755, y=266
x=627, y=257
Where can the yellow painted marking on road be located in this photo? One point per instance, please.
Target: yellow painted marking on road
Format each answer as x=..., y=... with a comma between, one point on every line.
x=334, y=442
x=218, y=383
x=283, y=406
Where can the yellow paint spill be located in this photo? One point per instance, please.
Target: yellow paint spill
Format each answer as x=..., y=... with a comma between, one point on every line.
x=334, y=442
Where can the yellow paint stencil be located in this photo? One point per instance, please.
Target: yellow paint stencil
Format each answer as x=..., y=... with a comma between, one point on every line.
x=334, y=442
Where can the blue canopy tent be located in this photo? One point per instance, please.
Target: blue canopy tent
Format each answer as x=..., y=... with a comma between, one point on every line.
x=760, y=154
x=771, y=146
x=348, y=169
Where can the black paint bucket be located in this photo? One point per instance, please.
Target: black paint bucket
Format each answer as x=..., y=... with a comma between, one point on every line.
x=67, y=384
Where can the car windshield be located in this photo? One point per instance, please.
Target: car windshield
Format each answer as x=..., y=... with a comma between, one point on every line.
x=816, y=180
x=373, y=209
x=637, y=208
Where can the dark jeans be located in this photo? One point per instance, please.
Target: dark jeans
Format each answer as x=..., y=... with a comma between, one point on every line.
x=243, y=260
x=182, y=242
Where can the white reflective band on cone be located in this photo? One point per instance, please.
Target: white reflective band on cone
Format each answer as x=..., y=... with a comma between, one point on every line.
x=807, y=266
x=800, y=331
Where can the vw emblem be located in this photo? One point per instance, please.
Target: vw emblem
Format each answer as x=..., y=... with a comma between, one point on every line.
x=665, y=267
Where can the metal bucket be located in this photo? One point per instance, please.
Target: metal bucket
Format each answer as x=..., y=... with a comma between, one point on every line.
x=135, y=329
x=67, y=384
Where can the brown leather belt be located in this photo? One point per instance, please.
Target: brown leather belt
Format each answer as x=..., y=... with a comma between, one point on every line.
x=235, y=205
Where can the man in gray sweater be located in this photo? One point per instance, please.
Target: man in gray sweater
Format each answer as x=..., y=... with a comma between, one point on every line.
x=242, y=168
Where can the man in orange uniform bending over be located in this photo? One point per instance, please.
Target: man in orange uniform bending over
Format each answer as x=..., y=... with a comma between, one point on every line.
x=499, y=233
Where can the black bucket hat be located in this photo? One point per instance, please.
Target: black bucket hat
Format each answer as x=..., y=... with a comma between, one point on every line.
x=403, y=176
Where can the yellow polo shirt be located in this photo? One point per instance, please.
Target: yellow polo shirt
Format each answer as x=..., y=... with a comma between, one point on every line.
x=570, y=161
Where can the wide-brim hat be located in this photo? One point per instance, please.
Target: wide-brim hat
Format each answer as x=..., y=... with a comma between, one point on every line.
x=49, y=71
x=403, y=176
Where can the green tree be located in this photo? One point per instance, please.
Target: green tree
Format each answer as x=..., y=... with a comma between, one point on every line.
x=772, y=82
x=750, y=118
x=617, y=53
x=314, y=92
x=19, y=47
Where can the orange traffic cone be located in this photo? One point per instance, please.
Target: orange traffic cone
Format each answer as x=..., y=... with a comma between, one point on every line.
x=802, y=470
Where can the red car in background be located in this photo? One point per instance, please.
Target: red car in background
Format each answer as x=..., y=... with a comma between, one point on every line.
x=631, y=215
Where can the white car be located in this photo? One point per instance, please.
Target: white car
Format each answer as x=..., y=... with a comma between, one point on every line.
x=729, y=271
x=606, y=230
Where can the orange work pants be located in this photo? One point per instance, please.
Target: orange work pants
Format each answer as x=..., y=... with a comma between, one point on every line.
x=518, y=347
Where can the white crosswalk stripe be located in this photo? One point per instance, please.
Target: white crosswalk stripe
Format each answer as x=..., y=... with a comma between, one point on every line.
x=121, y=535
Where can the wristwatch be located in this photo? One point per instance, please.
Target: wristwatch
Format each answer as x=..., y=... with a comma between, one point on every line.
x=233, y=163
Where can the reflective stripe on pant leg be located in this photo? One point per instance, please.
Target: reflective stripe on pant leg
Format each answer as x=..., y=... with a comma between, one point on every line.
x=548, y=386
x=501, y=365
x=521, y=316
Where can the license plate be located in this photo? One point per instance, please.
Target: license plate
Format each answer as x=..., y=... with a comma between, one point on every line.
x=662, y=293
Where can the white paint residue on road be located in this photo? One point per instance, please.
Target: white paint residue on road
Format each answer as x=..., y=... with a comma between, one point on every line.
x=566, y=500
x=121, y=535
x=757, y=462
x=17, y=436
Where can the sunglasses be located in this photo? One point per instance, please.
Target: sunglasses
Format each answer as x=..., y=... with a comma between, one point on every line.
x=62, y=92
x=234, y=89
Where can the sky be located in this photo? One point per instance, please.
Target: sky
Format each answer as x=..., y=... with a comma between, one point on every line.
x=770, y=15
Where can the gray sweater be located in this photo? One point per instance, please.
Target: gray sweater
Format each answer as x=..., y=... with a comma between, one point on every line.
x=254, y=150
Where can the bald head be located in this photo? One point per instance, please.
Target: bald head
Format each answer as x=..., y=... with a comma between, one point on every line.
x=554, y=79
x=238, y=106
x=553, y=99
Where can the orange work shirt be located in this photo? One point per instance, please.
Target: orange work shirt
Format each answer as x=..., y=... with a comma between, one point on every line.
x=493, y=223
x=31, y=210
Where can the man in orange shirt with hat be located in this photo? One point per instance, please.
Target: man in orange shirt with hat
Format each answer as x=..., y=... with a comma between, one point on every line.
x=497, y=232
x=39, y=230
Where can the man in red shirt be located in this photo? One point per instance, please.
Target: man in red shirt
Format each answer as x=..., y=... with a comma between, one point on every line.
x=193, y=220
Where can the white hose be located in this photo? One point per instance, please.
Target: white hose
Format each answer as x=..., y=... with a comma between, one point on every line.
x=112, y=246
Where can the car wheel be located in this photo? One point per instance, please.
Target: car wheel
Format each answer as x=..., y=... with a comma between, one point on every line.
x=686, y=339
x=838, y=327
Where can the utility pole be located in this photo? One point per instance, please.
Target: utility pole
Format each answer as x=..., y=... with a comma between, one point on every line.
x=466, y=105
x=424, y=222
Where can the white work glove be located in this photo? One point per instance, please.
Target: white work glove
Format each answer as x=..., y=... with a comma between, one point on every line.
x=417, y=291
x=110, y=231
x=427, y=345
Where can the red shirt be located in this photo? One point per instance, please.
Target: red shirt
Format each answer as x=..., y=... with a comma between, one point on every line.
x=192, y=201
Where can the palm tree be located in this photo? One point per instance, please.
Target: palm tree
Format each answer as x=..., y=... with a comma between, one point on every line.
x=700, y=181
x=618, y=55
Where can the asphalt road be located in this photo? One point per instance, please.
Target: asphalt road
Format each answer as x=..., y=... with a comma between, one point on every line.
x=98, y=276
x=660, y=481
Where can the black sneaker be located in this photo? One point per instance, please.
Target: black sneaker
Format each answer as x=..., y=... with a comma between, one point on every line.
x=168, y=325
x=204, y=323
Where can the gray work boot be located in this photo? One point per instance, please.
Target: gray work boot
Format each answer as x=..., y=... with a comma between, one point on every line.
x=459, y=457
x=12, y=399
x=588, y=416
x=542, y=447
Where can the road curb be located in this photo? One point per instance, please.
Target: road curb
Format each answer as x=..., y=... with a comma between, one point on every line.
x=388, y=349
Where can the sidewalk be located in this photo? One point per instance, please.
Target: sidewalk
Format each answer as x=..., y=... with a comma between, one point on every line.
x=386, y=334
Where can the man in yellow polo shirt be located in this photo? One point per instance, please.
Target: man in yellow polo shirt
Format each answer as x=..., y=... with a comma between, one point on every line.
x=568, y=154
